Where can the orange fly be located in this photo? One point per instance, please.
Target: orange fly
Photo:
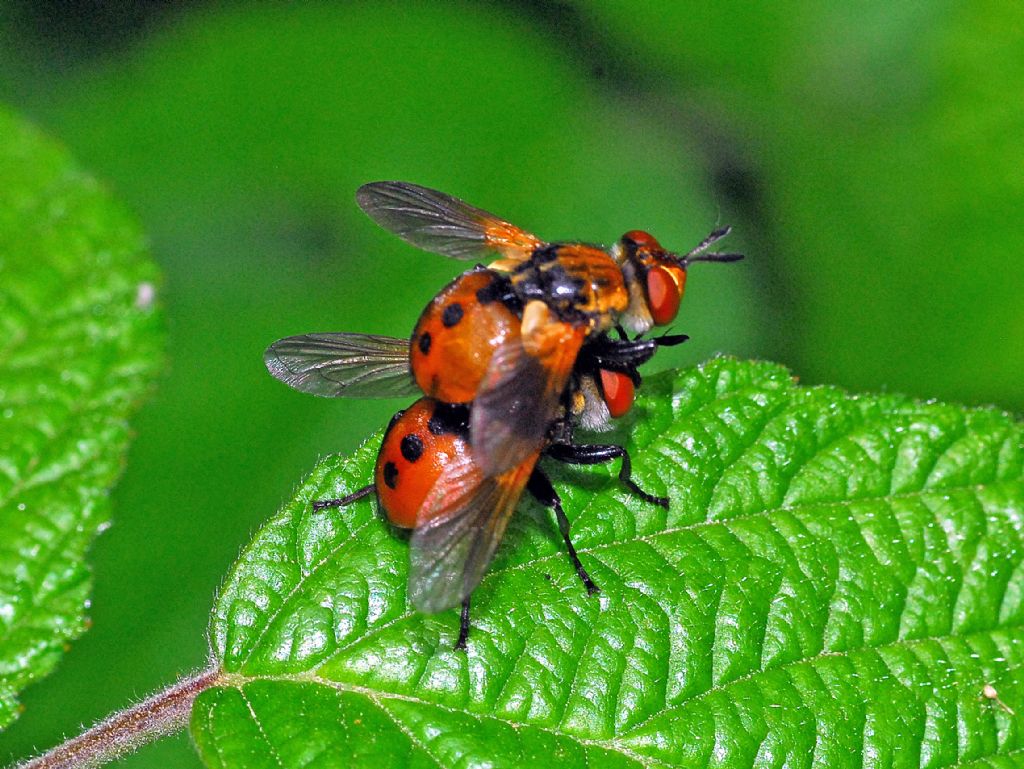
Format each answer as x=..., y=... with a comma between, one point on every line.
x=511, y=358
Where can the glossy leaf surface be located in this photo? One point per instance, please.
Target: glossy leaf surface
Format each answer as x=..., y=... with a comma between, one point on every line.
x=79, y=343
x=835, y=584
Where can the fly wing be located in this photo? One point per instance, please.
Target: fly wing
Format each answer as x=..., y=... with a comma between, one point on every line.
x=521, y=392
x=440, y=223
x=461, y=524
x=343, y=365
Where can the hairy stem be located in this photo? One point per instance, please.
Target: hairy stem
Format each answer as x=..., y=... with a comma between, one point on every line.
x=128, y=730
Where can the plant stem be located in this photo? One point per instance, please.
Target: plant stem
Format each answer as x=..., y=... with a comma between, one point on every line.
x=129, y=729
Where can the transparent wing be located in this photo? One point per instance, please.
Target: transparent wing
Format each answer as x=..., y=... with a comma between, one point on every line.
x=440, y=223
x=521, y=394
x=463, y=521
x=343, y=365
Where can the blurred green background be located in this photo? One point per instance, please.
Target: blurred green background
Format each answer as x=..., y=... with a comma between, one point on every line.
x=870, y=157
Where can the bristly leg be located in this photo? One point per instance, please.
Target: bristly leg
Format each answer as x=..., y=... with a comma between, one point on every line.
x=321, y=504
x=541, y=488
x=594, y=454
x=670, y=340
x=460, y=645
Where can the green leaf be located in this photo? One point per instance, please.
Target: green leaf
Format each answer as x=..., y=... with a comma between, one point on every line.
x=79, y=344
x=836, y=582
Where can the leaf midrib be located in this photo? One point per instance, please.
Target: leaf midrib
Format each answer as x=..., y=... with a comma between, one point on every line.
x=313, y=677
x=238, y=681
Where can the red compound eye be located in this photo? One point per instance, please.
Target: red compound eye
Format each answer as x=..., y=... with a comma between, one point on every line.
x=665, y=285
x=619, y=392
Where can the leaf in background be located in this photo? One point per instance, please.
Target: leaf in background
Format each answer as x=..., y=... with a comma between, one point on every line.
x=79, y=344
x=837, y=580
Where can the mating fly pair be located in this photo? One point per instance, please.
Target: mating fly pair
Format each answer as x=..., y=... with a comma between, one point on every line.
x=508, y=359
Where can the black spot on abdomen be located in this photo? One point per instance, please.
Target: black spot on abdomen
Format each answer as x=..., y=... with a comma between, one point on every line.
x=412, y=447
x=425, y=342
x=390, y=475
x=452, y=314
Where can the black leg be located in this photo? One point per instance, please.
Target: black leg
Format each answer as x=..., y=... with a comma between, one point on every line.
x=625, y=355
x=618, y=354
x=670, y=340
x=594, y=454
x=460, y=645
x=540, y=486
x=320, y=504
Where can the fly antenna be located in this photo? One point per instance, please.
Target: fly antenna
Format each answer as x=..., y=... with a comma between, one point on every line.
x=712, y=257
x=714, y=237
x=697, y=254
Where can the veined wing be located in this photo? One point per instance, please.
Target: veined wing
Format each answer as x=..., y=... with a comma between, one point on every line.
x=521, y=392
x=461, y=524
x=443, y=224
x=343, y=365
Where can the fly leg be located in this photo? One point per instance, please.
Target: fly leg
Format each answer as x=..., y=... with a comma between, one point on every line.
x=540, y=486
x=320, y=504
x=594, y=454
x=670, y=340
x=625, y=355
x=460, y=645
x=616, y=354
